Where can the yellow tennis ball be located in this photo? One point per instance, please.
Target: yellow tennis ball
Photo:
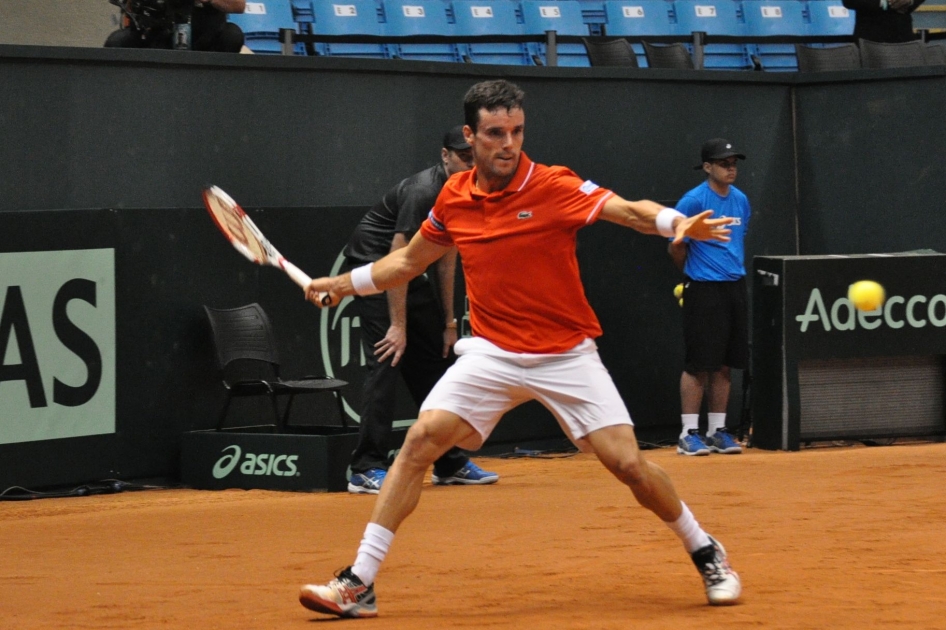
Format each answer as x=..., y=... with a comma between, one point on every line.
x=678, y=291
x=681, y=302
x=866, y=295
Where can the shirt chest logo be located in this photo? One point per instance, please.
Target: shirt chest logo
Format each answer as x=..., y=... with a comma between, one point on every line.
x=525, y=214
x=735, y=220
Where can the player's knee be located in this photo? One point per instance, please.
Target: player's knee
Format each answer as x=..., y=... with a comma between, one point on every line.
x=630, y=469
x=421, y=447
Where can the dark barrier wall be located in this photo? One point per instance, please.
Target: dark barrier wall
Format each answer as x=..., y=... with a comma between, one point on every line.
x=323, y=138
x=872, y=164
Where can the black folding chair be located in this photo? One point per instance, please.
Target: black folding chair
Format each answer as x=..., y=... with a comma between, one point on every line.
x=841, y=57
x=246, y=346
x=673, y=55
x=614, y=52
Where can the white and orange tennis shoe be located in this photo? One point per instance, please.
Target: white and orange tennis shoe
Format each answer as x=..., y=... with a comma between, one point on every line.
x=723, y=587
x=345, y=596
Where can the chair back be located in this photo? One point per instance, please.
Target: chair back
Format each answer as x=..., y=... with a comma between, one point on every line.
x=244, y=332
x=935, y=54
x=774, y=18
x=668, y=56
x=892, y=55
x=486, y=17
x=841, y=57
x=614, y=52
x=638, y=19
x=829, y=18
x=562, y=16
x=346, y=17
x=714, y=17
x=264, y=17
x=405, y=18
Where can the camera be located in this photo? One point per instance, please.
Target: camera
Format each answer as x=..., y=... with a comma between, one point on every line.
x=156, y=16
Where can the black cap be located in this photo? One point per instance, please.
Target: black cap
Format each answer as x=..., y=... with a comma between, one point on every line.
x=717, y=149
x=454, y=139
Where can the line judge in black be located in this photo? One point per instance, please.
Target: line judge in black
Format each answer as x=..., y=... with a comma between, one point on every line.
x=408, y=330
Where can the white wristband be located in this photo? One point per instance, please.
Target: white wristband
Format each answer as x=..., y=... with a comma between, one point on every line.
x=665, y=221
x=361, y=280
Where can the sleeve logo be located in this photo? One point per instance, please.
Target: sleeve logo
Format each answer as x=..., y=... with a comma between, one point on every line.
x=435, y=223
x=588, y=187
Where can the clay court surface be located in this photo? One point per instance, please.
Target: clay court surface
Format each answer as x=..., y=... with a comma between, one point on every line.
x=840, y=537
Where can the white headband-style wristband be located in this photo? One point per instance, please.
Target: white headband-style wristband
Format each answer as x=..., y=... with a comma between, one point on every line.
x=665, y=221
x=361, y=280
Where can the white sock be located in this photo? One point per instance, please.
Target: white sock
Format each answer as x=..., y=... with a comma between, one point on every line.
x=689, y=530
x=690, y=421
x=374, y=547
x=715, y=422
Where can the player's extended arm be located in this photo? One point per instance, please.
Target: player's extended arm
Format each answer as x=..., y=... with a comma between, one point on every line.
x=397, y=268
x=643, y=216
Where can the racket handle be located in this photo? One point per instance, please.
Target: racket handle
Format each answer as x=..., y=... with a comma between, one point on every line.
x=299, y=277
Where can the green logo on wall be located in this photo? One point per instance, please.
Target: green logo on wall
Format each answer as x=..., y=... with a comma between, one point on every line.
x=57, y=344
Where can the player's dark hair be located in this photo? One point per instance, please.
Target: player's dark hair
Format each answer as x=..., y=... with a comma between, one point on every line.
x=490, y=95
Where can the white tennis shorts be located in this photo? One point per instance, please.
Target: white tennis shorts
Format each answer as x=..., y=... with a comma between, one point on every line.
x=487, y=381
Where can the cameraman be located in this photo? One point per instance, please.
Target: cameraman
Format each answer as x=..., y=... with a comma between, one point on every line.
x=150, y=24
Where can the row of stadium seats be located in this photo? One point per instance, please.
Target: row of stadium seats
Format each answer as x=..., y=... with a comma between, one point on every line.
x=392, y=19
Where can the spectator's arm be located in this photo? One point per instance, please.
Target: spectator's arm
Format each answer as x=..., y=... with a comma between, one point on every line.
x=228, y=6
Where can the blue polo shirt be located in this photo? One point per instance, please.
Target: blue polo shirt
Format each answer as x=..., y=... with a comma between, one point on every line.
x=713, y=260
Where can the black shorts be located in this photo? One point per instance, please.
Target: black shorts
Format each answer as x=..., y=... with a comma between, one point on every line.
x=715, y=325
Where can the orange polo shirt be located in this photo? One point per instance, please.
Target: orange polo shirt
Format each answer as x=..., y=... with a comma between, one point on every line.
x=518, y=250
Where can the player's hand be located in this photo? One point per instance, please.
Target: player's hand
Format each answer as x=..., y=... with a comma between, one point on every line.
x=702, y=228
x=449, y=340
x=319, y=293
x=393, y=345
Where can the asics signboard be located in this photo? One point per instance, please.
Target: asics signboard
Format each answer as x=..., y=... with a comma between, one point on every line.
x=57, y=344
x=234, y=460
x=215, y=460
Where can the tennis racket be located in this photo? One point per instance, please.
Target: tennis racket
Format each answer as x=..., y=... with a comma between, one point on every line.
x=247, y=239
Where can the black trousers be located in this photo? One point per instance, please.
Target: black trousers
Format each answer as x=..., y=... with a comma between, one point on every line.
x=226, y=38
x=421, y=367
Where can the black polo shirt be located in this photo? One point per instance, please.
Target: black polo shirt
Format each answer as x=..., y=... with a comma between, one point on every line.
x=401, y=210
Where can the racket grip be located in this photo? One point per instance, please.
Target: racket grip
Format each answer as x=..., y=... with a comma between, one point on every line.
x=303, y=280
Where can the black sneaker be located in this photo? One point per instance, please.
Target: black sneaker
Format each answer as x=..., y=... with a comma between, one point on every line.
x=345, y=596
x=722, y=583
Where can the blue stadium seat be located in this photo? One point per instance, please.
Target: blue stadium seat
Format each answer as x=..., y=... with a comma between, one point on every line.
x=565, y=18
x=715, y=17
x=640, y=18
x=769, y=18
x=261, y=23
x=348, y=17
x=775, y=18
x=491, y=17
x=406, y=18
x=829, y=18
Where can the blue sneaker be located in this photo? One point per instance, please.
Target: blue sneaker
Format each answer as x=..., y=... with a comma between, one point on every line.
x=368, y=482
x=469, y=475
x=692, y=444
x=723, y=442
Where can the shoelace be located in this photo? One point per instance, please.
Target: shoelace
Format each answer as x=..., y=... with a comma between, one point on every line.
x=714, y=571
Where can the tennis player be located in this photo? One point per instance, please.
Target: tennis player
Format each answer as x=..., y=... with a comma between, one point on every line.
x=515, y=223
